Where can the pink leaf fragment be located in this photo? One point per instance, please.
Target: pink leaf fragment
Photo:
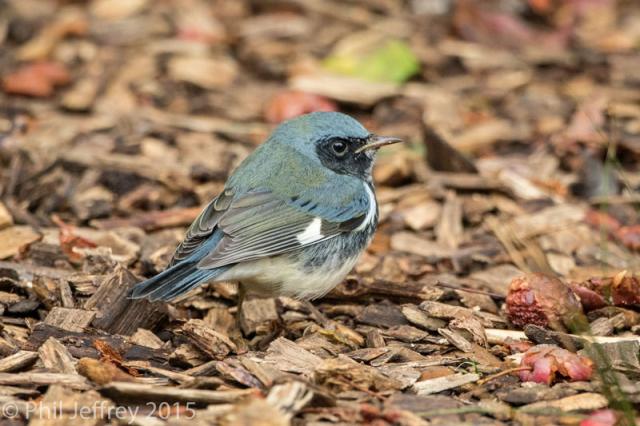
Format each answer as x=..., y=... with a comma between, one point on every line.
x=291, y=104
x=605, y=417
x=548, y=360
x=37, y=79
x=629, y=236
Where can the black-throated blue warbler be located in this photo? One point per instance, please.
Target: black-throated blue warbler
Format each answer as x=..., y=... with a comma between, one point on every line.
x=292, y=220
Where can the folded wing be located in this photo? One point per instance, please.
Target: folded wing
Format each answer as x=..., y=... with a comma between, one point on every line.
x=260, y=224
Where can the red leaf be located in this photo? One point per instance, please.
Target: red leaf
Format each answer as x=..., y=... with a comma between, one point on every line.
x=601, y=221
x=605, y=417
x=548, y=360
x=69, y=242
x=625, y=291
x=621, y=290
x=590, y=299
x=541, y=6
x=291, y=104
x=629, y=236
x=36, y=79
x=112, y=356
x=474, y=21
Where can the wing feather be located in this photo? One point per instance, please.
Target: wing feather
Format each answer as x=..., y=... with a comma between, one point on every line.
x=264, y=225
x=203, y=226
x=260, y=224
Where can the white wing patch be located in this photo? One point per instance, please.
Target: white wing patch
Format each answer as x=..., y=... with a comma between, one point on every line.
x=372, y=209
x=312, y=233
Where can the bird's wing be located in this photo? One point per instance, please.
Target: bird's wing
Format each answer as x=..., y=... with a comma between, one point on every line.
x=203, y=226
x=261, y=224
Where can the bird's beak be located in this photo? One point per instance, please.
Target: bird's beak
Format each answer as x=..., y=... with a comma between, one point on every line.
x=377, y=142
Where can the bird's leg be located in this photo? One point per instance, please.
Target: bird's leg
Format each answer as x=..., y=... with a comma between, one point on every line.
x=242, y=292
x=236, y=332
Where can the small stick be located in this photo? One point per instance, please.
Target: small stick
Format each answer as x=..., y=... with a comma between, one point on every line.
x=469, y=290
x=502, y=373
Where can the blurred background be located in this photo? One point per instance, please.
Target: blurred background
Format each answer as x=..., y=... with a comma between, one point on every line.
x=185, y=89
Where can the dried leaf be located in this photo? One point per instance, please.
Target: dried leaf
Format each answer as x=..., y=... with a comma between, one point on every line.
x=621, y=290
x=37, y=79
x=102, y=372
x=293, y=103
x=371, y=62
x=605, y=417
x=548, y=360
x=629, y=236
x=342, y=373
x=205, y=72
x=69, y=242
x=15, y=238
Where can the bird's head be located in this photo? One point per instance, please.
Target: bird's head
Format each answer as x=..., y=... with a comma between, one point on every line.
x=334, y=140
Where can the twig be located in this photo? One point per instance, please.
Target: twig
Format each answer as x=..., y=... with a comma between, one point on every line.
x=470, y=409
x=502, y=373
x=470, y=290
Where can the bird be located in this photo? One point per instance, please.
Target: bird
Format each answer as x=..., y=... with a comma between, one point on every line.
x=292, y=219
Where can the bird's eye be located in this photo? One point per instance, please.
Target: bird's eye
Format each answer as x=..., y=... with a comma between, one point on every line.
x=339, y=147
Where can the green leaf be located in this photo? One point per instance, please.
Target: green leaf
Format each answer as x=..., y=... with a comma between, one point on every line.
x=393, y=61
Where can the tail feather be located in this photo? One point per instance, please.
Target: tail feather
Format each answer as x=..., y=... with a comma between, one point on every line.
x=185, y=285
x=174, y=282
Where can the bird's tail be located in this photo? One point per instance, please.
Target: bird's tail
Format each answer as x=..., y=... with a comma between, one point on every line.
x=174, y=282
